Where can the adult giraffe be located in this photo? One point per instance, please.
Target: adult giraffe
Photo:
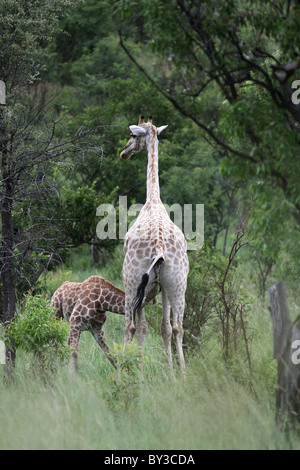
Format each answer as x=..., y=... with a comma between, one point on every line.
x=155, y=253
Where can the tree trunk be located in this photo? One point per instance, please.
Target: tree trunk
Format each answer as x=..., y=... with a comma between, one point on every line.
x=95, y=251
x=9, y=307
x=286, y=338
x=7, y=267
x=9, y=296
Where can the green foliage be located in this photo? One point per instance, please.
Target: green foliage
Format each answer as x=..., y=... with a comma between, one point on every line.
x=29, y=23
x=203, y=293
x=79, y=35
x=28, y=146
x=228, y=94
x=123, y=386
x=221, y=74
x=79, y=212
x=254, y=124
x=73, y=414
x=37, y=331
x=217, y=304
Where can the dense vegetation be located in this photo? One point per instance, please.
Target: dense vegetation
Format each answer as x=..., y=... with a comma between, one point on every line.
x=221, y=75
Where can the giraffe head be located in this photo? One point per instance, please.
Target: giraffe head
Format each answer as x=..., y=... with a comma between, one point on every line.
x=141, y=136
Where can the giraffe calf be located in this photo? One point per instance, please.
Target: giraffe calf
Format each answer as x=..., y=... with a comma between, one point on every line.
x=83, y=305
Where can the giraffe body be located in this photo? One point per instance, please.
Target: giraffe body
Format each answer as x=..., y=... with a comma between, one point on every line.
x=84, y=306
x=155, y=253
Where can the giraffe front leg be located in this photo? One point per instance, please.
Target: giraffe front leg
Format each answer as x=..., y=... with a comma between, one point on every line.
x=99, y=336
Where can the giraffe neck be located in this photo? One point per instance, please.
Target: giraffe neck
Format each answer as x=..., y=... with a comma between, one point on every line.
x=119, y=305
x=153, y=191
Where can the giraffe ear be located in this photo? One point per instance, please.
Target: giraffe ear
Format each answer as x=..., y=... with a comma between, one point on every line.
x=137, y=130
x=160, y=129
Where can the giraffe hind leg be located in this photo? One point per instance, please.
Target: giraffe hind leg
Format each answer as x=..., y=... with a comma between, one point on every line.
x=177, y=305
x=141, y=332
x=166, y=328
x=130, y=327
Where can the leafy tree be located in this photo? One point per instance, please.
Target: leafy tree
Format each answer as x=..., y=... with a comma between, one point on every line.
x=26, y=144
x=247, y=55
x=125, y=96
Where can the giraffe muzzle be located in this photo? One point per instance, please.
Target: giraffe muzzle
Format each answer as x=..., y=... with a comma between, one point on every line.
x=126, y=153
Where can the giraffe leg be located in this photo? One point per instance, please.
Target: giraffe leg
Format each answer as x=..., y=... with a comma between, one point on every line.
x=141, y=332
x=141, y=329
x=75, y=331
x=129, y=331
x=178, y=311
x=99, y=336
x=166, y=328
x=130, y=328
x=178, y=337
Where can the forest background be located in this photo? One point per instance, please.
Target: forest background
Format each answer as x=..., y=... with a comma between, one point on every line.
x=223, y=77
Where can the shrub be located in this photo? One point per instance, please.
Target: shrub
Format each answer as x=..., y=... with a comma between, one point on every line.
x=37, y=331
x=202, y=294
x=216, y=302
x=124, y=384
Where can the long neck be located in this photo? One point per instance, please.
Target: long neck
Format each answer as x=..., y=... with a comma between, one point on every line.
x=153, y=191
x=119, y=305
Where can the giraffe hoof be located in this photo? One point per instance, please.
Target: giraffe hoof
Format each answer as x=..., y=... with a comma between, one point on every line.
x=74, y=355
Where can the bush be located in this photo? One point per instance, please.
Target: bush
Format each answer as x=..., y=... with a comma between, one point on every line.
x=37, y=331
x=216, y=302
x=124, y=384
x=202, y=295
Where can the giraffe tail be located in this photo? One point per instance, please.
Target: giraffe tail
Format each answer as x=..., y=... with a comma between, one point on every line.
x=140, y=293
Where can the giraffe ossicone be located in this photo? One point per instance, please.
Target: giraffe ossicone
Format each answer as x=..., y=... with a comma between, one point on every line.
x=155, y=253
x=84, y=306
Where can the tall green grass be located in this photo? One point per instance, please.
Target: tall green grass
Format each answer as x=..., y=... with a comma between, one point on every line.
x=217, y=405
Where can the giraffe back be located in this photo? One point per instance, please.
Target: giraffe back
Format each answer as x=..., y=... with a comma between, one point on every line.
x=93, y=296
x=154, y=234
